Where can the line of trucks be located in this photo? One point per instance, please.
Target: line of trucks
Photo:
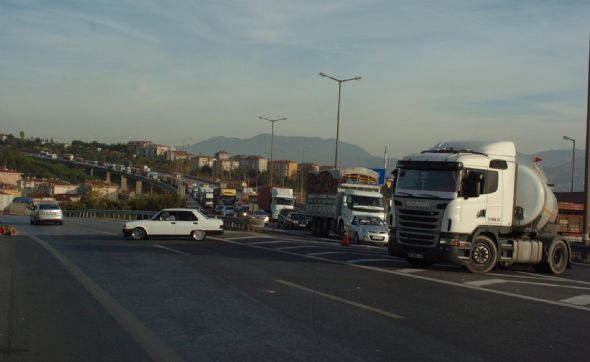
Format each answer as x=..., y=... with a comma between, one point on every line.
x=476, y=204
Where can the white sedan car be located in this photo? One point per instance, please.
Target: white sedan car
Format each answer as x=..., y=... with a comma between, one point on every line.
x=174, y=222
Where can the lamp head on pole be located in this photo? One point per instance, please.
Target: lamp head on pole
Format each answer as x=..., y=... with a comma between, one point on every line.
x=568, y=138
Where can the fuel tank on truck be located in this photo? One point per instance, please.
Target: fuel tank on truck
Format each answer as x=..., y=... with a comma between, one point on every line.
x=534, y=197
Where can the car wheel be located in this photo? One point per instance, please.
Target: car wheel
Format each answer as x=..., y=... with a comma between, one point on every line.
x=138, y=234
x=198, y=235
x=61, y=222
x=356, y=238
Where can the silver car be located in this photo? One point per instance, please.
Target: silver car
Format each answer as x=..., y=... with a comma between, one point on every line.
x=46, y=212
x=369, y=229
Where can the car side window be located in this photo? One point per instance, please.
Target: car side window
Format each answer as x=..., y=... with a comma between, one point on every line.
x=186, y=216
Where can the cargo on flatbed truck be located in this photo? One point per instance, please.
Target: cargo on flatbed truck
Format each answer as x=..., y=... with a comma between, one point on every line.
x=336, y=196
x=478, y=205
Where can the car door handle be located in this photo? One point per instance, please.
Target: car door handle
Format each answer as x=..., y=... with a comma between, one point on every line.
x=172, y=222
x=195, y=222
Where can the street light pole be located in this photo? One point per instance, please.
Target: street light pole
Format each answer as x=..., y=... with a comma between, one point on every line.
x=340, y=81
x=573, y=158
x=272, y=139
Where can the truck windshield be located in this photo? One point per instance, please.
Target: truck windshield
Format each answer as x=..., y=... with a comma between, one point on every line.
x=367, y=201
x=428, y=180
x=283, y=201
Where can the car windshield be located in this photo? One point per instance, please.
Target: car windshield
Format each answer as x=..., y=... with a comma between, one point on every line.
x=375, y=221
x=367, y=201
x=297, y=216
x=427, y=180
x=49, y=207
x=283, y=201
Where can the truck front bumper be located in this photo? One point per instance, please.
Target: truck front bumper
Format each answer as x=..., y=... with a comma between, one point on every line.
x=450, y=248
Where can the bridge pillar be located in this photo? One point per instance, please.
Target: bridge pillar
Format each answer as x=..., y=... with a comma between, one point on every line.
x=151, y=189
x=91, y=171
x=108, y=177
x=138, y=187
x=123, y=183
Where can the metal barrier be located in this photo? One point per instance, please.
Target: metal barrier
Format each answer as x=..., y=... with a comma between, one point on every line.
x=110, y=214
x=229, y=222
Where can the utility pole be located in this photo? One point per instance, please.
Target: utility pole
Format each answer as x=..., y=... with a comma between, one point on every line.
x=272, y=140
x=586, y=238
x=340, y=81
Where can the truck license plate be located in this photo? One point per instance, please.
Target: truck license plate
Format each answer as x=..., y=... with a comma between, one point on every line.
x=415, y=255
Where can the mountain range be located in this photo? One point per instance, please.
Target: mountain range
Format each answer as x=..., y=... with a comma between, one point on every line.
x=556, y=163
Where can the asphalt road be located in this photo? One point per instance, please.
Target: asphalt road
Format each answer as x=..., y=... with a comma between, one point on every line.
x=83, y=292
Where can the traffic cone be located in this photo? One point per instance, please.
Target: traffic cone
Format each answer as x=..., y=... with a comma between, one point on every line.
x=345, y=240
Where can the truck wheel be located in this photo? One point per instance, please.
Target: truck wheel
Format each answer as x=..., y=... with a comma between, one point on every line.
x=325, y=228
x=483, y=255
x=557, y=257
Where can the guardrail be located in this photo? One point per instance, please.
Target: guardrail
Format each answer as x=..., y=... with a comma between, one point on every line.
x=229, y=222
x=110, y=214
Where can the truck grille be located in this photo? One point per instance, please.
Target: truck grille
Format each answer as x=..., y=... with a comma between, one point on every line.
x=419, y=226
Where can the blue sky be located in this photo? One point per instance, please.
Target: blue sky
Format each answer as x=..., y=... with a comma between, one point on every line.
x=165, y=71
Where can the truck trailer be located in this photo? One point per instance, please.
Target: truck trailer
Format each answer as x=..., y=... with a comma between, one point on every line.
x=336, y=196
x=476, y=204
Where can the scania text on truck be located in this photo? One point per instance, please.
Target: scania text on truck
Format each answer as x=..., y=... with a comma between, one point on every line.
x=336, y=196
x=478, y=205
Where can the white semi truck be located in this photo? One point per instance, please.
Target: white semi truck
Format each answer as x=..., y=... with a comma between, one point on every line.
x=336, y=196
x=478, y=205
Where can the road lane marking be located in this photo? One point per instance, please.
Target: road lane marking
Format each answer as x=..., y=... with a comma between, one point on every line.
x=170, y=249
x=326, y=253
x=484, y=282
x=150, y=343
x=578, y=300
x=410, y=270
x=414, y=276
x=249, y=237
x=358, y=261
x=267, y=242
x=297, y=247
x=537, y=277
x=341, y=300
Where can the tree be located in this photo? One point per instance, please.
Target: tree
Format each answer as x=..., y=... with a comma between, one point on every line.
x=22, y=135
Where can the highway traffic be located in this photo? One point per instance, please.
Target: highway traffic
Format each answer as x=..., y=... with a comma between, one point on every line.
x=82, y=291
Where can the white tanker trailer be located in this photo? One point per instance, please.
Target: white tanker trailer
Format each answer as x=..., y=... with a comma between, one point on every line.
x=478, y=205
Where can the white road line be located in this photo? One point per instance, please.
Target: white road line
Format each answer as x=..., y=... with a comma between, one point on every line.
x=341, y=300
x=420, y=277
x=549, y=285
x=578, y=300
x=267, y=242
x=297, y=247
x=409, y=270
x=170, y=249
x=537, y=277
x=483, y=282
x=326, y=253
x=250, y=237
x=154, y=347
x=359, y=261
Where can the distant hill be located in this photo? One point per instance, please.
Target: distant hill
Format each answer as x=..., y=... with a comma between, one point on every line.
x=308, y=149
x=556, y=163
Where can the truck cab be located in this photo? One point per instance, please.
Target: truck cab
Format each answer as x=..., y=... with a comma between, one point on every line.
x=281, y=199
x=450, y=198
